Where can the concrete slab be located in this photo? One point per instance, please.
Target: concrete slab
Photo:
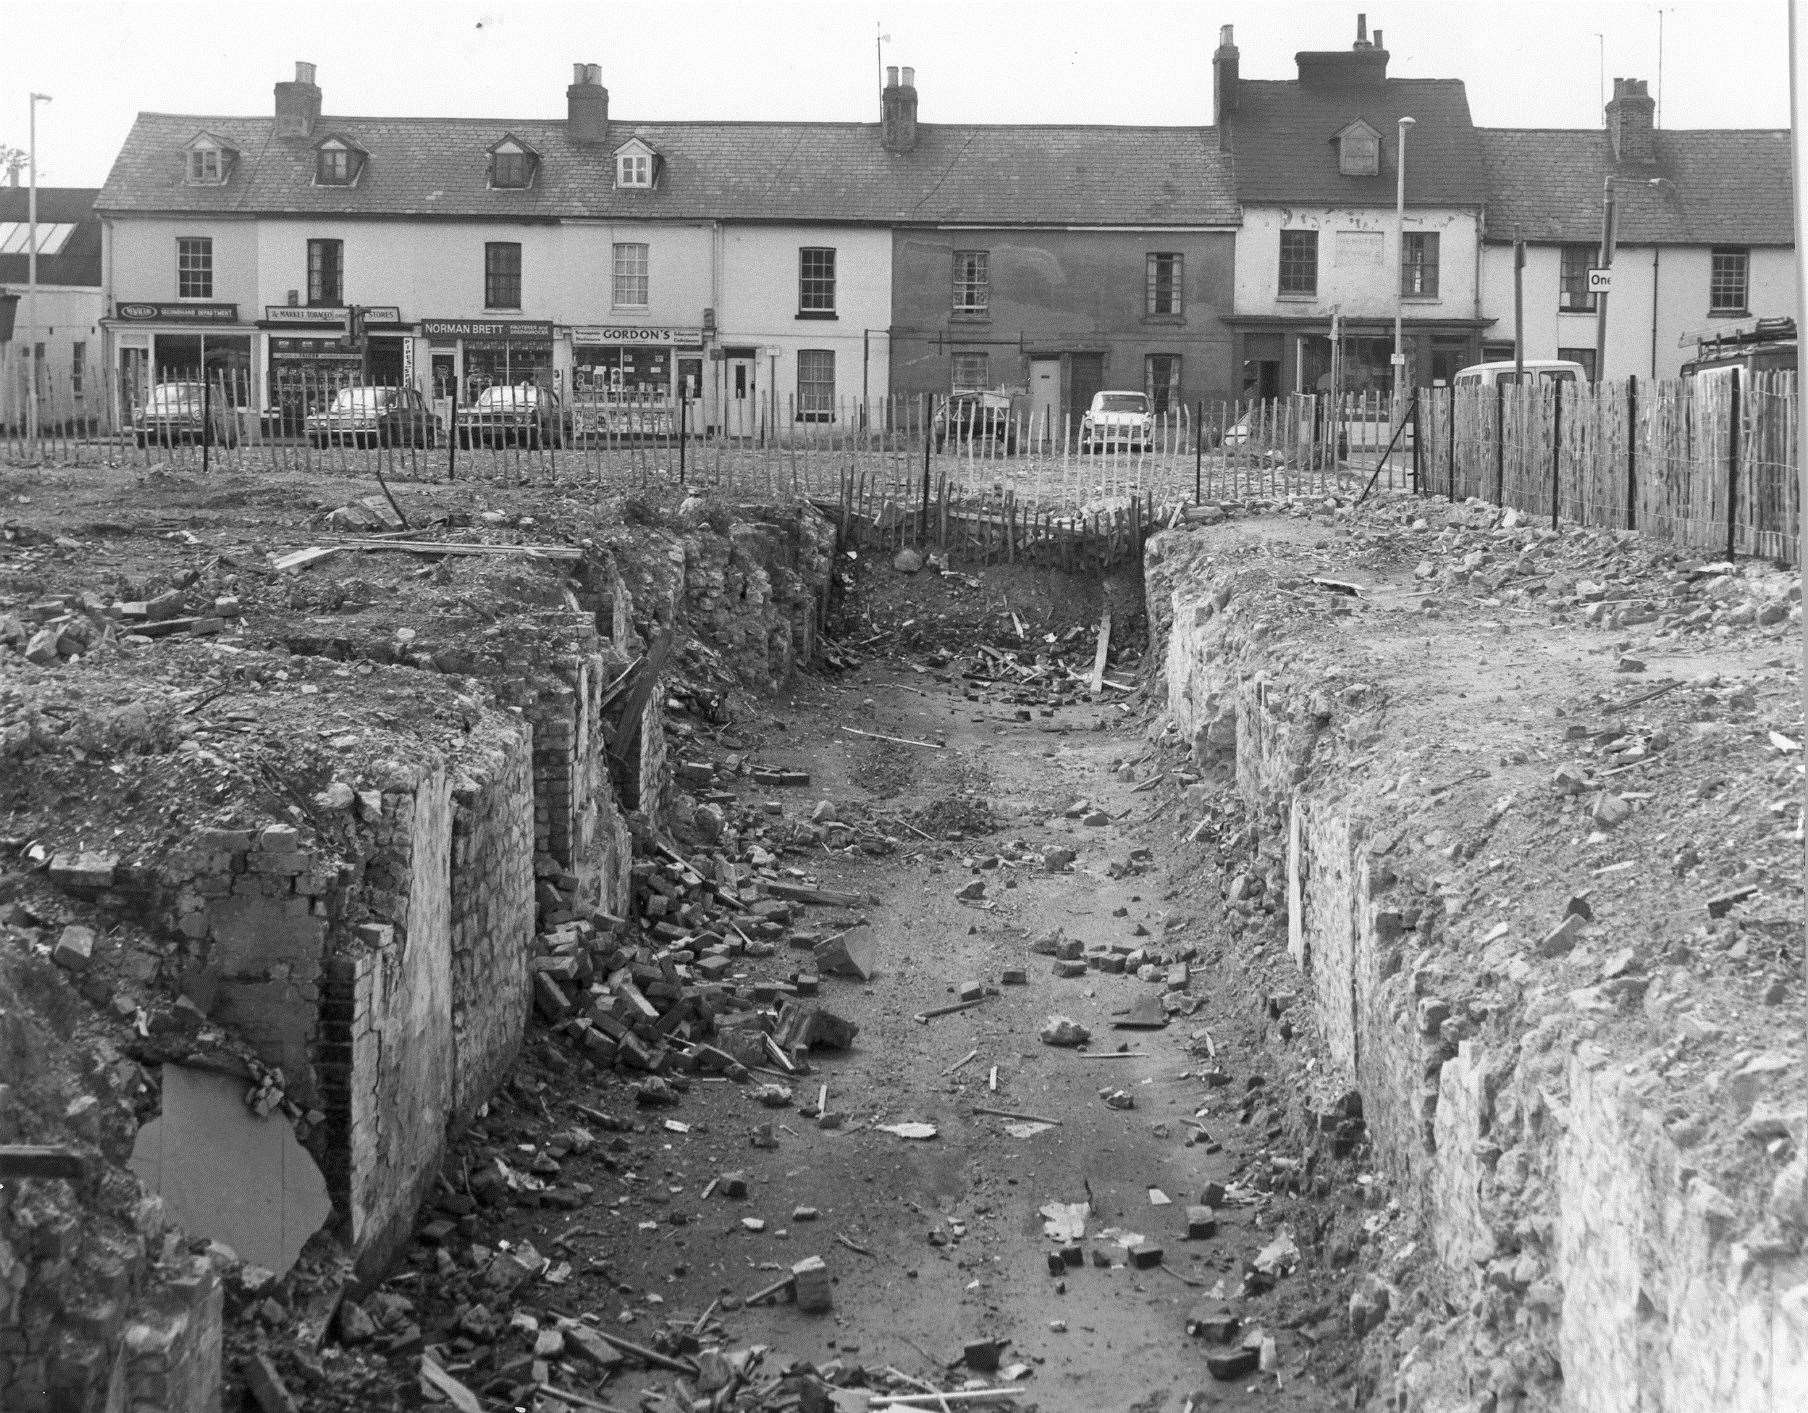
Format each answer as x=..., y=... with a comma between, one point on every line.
x=226, y=1174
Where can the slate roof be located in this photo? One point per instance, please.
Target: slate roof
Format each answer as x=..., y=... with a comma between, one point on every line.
x=1728, y=186
x=78, y=262
x=838, y=172
x=1283, y=138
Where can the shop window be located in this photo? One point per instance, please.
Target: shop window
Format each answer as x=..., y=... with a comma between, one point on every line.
x=972, y=371
x=816, y=282
x=326, y=273
x=972, y=292
x=1164, y=281
x=78, y=365
x=502, y=274
x=1359, y=150
x=1161, y=380
x=337, y=163
x=630, y=288
x=815, y=384
x=1572, y=280
x=1299, y=262
x=194, y=267
x=1728, y=280
x=1419, y=265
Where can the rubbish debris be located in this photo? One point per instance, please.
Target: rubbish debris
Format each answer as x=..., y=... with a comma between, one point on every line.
x=1064, y=1032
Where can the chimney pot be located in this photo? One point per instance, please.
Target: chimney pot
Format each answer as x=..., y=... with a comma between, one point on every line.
x=1378, y=43
x=891, y=75
x=910, y=77
x=1362, y=31
x=1225, y=33
x=304, y=71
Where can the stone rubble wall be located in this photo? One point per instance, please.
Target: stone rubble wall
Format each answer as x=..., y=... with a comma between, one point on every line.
x=1593, y=1266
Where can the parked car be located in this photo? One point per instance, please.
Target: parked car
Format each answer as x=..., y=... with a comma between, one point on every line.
x=178, y=412
x=1254, y=428
x=1537, y=370
x=969, y=417
x=374, y=417
x=523, y=414
x=1117, y=421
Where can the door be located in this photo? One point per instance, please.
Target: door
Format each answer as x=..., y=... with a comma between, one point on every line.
x=1045, y=400
x=741, y=410
x=1085, y=376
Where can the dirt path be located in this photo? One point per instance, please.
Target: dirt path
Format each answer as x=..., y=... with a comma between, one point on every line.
x=953, y=1248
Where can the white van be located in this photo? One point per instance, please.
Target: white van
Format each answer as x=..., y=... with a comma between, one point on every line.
x=1537, y=370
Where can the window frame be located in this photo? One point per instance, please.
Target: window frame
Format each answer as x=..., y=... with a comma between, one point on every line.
x=1716, y=254
x=197, y=157
x=617, y=275
x=1423, y=241
x=818, y=409
x=78, y=361
x=969, y=355
x=1347, y=165
x=1584, y=356
x=634, y=169
x=525, y=161
x=194, y=266
x=337, y=149
x=1572, y=282
x=816, y=287
x=1309, y=236
x=317, y=291
x=1176, y=284
x=973, y=284
x=492, y=273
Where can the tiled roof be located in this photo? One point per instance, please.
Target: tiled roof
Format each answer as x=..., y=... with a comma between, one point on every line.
x=731, y=171
x=1283, y=138
x=1727, y=186
x=78, y=262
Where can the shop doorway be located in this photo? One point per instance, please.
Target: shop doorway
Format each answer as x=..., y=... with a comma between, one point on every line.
x=383, y=362
x=222, y=359
x=1045, y=399
x=740, y=413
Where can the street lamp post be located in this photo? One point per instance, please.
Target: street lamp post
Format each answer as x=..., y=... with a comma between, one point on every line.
x=1399, y=359
x=31, y=284
x=1610, y=238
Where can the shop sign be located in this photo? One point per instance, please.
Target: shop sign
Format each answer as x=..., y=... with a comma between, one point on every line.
x=301, y=314
x=506, y=330
x=634, y=333
x=382, y=313
x=331, y=349
x=141, y=313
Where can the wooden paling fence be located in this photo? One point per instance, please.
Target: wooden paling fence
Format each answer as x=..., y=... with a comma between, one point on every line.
x=1708, y=463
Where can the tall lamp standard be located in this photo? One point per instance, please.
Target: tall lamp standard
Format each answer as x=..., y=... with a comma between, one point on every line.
x=1399, y=359
x=31, y=284
x=1609, y=238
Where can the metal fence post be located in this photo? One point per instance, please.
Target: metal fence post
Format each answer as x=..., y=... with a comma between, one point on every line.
x=1418, y=484
x=1198, y=450
x=1500, y=443
x=1450, y=450
x=206, y=417
x=1632, y=451
x=683, y=429
x=452, y=437
x=1732, y=469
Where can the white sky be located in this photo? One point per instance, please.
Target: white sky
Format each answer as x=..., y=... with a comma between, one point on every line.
x=1527, y=63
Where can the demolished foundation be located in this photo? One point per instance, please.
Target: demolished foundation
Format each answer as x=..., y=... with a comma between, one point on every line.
x=1550, y=925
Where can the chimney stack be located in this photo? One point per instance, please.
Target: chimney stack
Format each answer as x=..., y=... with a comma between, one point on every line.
x=587, y=105
x=898, y=110
x=1631, y=122
x=298, y=103
x=1224, y=85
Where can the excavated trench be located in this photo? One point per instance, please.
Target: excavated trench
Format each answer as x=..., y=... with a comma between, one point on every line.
x=1383, y=968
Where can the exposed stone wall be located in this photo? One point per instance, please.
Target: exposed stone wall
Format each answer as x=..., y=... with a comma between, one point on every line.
x=169, y=1360
x=492, y=879
x=1595, y=1264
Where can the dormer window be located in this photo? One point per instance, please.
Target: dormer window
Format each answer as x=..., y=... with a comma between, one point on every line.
x=1359, y=150
x=512, y=164
x=206, y=161
x=636, y=164
x=337, y=163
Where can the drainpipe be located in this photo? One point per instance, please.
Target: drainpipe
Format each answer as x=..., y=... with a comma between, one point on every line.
x=1654, y=255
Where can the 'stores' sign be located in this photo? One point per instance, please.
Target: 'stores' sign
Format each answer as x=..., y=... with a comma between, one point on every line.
x=140, y=312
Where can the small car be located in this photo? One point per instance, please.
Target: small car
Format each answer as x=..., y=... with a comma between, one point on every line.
x=178, y=412
x=1117, y=421
x=362, y=416
x=968, y=417
x=521, y=414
